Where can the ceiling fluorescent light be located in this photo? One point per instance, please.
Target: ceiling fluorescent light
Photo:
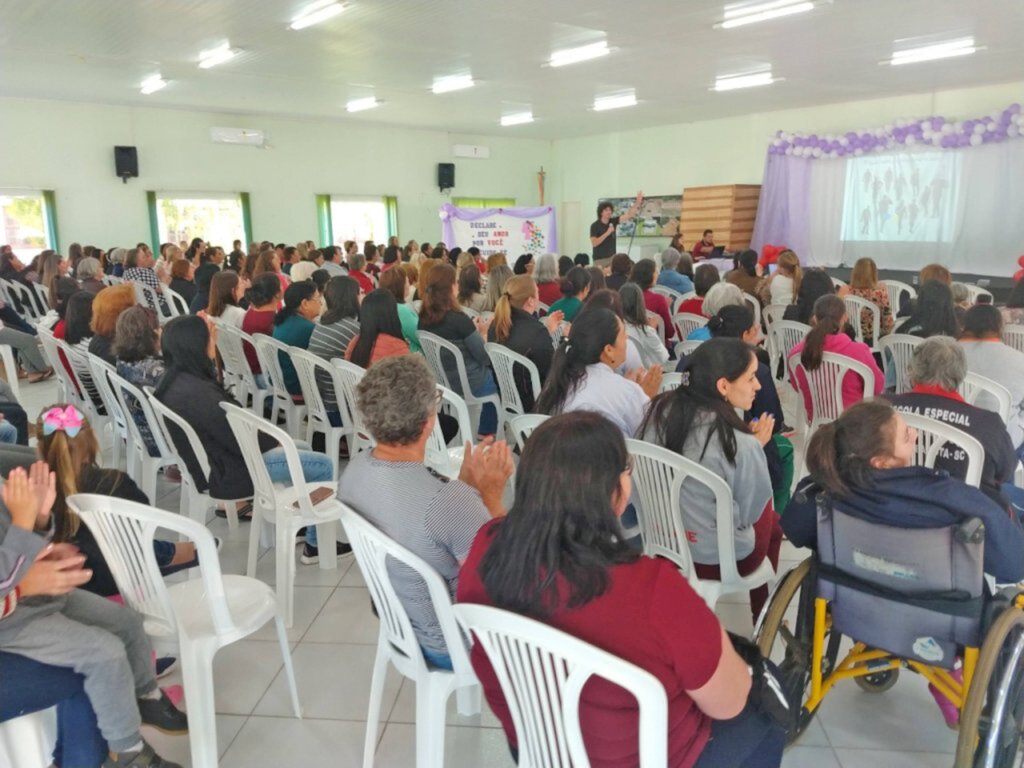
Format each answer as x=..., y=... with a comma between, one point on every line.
x=615, y=102
x=152, y=84
x=576, y=55
x=732, y=82
x=753, y=14
x=453, y=83
x=360, y=105
x=963, y=46
x=216, y=56
x=519, y=118
x=317, y=13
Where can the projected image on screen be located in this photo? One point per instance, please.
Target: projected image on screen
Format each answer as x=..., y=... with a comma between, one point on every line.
x=909, y=197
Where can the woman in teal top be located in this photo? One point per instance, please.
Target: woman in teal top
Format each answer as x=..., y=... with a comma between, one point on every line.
x=294, y=324
x=396, y=282
x=575, y=289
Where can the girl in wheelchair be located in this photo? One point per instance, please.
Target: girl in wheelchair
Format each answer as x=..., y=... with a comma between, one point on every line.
x=862, y=464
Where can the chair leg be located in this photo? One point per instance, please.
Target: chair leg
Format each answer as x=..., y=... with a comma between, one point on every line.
x=468, y=700
x=431, y=698
x=326, y=540
x=254, y=543
x=285, y=563
x=380, y=674
x=289, y=669
x=197, y=679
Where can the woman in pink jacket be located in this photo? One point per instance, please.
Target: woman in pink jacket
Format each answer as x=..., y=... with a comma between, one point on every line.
x=827, y=336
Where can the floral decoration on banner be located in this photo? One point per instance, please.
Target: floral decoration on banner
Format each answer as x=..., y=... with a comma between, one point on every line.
x=929, y=132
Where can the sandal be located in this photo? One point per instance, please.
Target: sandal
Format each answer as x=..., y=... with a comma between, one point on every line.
x=35, y=378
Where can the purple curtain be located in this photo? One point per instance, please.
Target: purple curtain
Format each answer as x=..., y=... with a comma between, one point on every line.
x=783, y=211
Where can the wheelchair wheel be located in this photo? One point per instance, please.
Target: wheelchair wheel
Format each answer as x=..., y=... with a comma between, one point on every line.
x=992, y=722
x=789, y=643
x=879, y=682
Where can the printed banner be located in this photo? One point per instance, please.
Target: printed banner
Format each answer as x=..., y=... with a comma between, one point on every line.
x=512, y=231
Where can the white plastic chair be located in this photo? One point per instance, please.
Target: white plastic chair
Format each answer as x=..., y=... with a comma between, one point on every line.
x=755, y=307
x=773, y=313
x=671, y=295
x=27, y=741
x=504, y=361
x=91, y=401
x=785, y=334
x=68, y=392
x=120, y=436
x=988, y=394
x=397, y=643
x=836, y=282
x=471, y=313
x=10, y=369
x=192, y=502
x=687, y=347
x=974, y=293
x=203, y=615
x=1013, y=336
x=897, y=349
x=522, y=427
x=670, y=381
x=346, y=379
x=687, y=322
x=434, y=349
x=658, y=476
x=856, y=306
x=231, y=343
x=896, y=289
x=140, y=465
x=659, y=326
x=288, y=508
x=109, y=280
x=307, y=367
x=21, y=295
x=542, y=672
x=269, y=351
x=176, y=304
x=42, y=297
x=439, y=457
x=73, y=386
x=935, y=436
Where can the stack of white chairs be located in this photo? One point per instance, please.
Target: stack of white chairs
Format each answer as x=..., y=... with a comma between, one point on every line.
x=269, y=351
x=897, y=349
x=231, y=344
x=120, y=436
x=142, y=467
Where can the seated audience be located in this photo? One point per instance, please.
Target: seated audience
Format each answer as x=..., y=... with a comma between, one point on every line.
x=137, y=351
x=640, y=328
x=138, y=268
x=264, y=297
x=340, y=322
x=619, y=269
x=702, y=248
x=814, y=284
x=928, y=272
x=597, y=279
x=826, y=335
x=294, y=325
x=471, y=293
x=746, y=274
x=400, y=284
x=269, y=262
x=718, y=296
x=575, y=288
x=497, y=276
x=88, y=274
x=559, y=557
x=704, y=277
x=549, y=284
x=645, y=275
x=783, y=285
x=63, y=289
x=226, y=290
x=988, y=356
x=524, y=265
x=380, y=330
x=515, y=326
x=357, y=271
x=583, y=374
x=865, y=284
x=670, y=276
x=436, y=518
x=720, y=378
x=609, y=299
x=937, y=370
x=933, y=312
x=183, y=279
x=442, y=316
x=106, y=309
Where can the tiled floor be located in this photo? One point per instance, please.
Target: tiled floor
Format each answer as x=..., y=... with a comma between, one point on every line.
x=333, y=643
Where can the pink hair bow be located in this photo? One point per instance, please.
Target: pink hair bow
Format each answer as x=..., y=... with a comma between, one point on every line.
x=68, y=419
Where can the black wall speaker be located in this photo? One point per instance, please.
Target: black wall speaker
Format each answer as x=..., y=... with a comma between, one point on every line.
x=126, y=162
x=445, y=175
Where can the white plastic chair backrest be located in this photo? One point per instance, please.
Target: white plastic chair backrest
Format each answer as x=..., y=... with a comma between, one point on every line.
x=1013, y=336
x=109, y=280
x=985, y=393
x=373, y=549
x=10, y=370
x=523, y=426
x=26, y=298
x=673, y=296
x=176, y=304
x=101, y=371
x=897, y=349
x=504, y=360
x=788, y=333
x=5, y=292
x=826, y=384
x=660, y=326
x=670, y=381
x=269, y=351
x=453, y=404
x=169, y=422
x=933, y=436
x=542, y=672
x=687, y=347
x=146, y=296
x=346, y=378
x=436, y=349
x=856, y=306
x=975, y=292
x=231, y=345
x=838, y=283
x=773, y=313
x=126, y=392
x=124, y=531
x=687, y=322
x=896, y=289
x=543, y=309
x=470, y=312
x=306, y=366
x=42, y=296
x=76, y=387
x=79, y=361
x=755, y=307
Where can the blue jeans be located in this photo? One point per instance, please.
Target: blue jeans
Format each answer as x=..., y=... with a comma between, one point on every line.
x=316, y=468
x=8, y=433
x=28, y=686
x=436, y=659
x=749, y=740
x=488, y=414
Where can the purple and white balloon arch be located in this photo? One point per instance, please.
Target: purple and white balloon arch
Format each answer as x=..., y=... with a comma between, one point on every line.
x=929, y=132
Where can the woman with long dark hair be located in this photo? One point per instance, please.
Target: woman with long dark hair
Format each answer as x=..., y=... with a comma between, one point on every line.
x=826, y=335
x=639, y=328
x=226, y=291
x=575, y=288
x=471, y=289
x=380, y=331
x=645, y=275
x=559, y=557
x=583, y=374
x=698, y=420
x=294, y=324
x=264, y=297
x=745, y=273
x=934, y=313
x=814, y=284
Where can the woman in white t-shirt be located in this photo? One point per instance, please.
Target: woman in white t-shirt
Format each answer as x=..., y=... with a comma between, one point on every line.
x=583, y=374
x=640, y=329
x=783, y=286
x=226, y=289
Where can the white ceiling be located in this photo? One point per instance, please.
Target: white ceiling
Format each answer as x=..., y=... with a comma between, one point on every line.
x=101, y=50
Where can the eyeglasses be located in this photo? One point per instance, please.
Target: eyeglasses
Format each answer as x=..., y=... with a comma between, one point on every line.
x=629, y=465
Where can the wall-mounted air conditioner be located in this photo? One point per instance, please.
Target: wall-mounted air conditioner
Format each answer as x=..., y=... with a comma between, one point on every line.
x=248, y=137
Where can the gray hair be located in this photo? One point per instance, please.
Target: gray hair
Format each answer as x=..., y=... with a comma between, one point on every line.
x=939, y=361
x=669, y=258
x=117, y=255
x=960, y=293
x=87, y=268
x=722, y=295
x=396, y=398
x=547, y=269
x=356, y=261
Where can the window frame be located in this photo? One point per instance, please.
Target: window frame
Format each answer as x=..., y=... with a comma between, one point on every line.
x=484, y=202
x=153, y=195
x=48, y=198
x=324, y=217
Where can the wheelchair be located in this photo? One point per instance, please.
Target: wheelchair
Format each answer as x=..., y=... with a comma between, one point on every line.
x=914, y=599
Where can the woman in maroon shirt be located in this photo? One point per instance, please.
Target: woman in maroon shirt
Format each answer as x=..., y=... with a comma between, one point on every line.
x=559, y=557
x=645, y=274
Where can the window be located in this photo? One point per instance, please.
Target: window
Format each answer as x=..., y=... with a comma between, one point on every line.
x=29, y=222
x=357, y=218
x=484, y=202
x=217, y=218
